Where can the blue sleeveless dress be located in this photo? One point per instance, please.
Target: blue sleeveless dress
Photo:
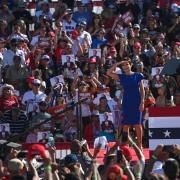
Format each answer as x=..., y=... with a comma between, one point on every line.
x=131, y=98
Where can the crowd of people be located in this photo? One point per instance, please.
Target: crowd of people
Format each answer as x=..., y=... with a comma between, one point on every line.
x=110, y=58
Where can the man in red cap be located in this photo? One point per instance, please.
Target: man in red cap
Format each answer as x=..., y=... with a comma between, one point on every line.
x=138, y=56
x=114, y=172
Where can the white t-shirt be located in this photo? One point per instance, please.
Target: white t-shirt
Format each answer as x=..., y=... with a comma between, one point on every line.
x=83, y=35
x=69, y=27
x=19, y=36
x=8, y=57
x=31, y=100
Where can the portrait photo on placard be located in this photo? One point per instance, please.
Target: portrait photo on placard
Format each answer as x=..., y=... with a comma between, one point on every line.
x=146, y=83
x=4, y=130
x=100, y=142
x=95, y=53
x=104, y=94
x=57, y=80
x=105, y=116
x=156, y=71
x=42, y=137
x=68, y=59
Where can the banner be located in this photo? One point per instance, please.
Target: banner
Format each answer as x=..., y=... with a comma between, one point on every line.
x=164, y=126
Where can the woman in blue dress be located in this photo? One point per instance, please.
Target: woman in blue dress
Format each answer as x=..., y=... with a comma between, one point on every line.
x=133, y=96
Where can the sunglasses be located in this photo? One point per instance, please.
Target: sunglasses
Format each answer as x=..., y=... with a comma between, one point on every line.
x=36, y=85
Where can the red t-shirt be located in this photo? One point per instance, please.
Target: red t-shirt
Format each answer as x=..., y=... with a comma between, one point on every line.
x=7, y=104
x=58, y=53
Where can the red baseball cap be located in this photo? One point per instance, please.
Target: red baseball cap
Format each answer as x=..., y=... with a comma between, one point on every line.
x=137, y=45
x=126, y=151
x=92, y=60
x=115, y=168
x=74, y=34
x=37, y=148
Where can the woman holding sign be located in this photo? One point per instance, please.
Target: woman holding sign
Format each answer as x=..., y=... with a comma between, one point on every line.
x=133, y=97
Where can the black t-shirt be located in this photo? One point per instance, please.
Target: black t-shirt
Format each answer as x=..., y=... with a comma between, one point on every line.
x=25, y=15
x=134, y=8
x=47, y=73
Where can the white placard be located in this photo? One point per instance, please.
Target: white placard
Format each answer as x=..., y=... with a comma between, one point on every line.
x=42, y=137
x=105, y=116
x=97, y=99
x=95, y=53
x=68, y=59
x=72, y=73
x=4, y=127
x=146, y=83
x=102, y=141
x=57, y=80
x=4, y=130
x=156, y=71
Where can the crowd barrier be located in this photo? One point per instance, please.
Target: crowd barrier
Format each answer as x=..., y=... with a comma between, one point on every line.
x=62, y=149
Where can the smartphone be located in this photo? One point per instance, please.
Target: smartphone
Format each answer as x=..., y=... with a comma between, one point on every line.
x=22, y=154
x=51, y=141
x=124, y=136
x=119, y=155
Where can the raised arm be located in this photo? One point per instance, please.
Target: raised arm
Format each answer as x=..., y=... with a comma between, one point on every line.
x=111, y=72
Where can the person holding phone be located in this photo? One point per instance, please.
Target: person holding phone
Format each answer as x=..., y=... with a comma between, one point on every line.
x=133, y=96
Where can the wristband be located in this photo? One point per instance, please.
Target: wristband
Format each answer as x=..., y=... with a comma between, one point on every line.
x=138, y=174
x=48, y=168
x=125, y=167
x=154, y=157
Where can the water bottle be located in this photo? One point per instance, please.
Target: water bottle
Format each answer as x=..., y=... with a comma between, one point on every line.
x=51, y=141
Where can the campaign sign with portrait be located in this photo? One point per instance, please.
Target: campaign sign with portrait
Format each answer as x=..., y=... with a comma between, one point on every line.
x=43, y=136
x=146, y=83
x=100, y=142
x=68, y=59
x=57, y=80
x=156, y=71
x=95, y=53
x=4, y=130
x=106, y=116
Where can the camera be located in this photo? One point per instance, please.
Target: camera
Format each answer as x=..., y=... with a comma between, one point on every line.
x=83, y=145
x=119, y=155
x=22, y=154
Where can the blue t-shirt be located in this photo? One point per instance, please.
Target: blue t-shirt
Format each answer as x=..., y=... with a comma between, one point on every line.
x=96, y=43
